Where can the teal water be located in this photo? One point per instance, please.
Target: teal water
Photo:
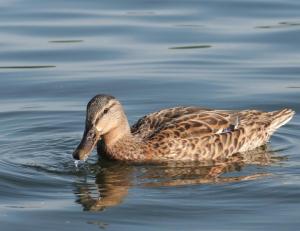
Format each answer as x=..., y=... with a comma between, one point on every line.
x=55, y=55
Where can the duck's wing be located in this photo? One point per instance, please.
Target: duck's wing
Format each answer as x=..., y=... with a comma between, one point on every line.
x=151, y=122
x=214, y=134
x=184, y=122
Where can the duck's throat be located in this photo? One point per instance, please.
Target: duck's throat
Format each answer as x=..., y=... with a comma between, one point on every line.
x=120, y=145
x=116, y=134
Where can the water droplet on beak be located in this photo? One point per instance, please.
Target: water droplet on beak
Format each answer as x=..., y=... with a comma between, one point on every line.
x=76, y=163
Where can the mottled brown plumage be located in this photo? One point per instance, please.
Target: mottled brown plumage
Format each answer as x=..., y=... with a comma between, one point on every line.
x=180, y=133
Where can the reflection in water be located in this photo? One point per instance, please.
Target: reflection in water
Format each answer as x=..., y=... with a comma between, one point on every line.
x=190, y=47
x=114, y=179
x=279, y=25
x=66, y=41
x=110, y=187
x=27, y=67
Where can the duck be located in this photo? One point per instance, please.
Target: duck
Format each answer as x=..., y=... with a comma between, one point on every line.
x=183, y=133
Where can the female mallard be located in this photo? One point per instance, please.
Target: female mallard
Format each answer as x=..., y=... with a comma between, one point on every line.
x=180, y=133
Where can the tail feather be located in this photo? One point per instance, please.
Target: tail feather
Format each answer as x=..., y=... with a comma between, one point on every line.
x=279, y=118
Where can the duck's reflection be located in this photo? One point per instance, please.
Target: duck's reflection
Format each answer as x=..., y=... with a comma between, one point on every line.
x=114, y=179
x=109, y=189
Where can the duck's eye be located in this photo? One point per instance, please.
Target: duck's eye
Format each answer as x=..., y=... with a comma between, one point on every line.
x=105, y=110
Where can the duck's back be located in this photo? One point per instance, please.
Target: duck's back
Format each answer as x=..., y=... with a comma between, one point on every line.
x=193, y=133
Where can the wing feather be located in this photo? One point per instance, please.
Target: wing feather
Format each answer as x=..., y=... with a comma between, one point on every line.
x=183, y=122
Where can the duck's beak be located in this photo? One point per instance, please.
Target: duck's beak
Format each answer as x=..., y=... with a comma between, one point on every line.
x=89, y=140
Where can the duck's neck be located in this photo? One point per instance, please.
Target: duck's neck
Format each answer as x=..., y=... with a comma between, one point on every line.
x=116, y=134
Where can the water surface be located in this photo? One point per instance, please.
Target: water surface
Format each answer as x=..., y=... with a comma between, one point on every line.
x=56, y=55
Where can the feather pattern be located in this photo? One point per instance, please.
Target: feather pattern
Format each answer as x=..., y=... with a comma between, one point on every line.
x=190, y=133
x=179, y=133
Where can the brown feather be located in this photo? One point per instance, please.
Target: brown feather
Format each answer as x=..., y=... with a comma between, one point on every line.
x=194, y=134
x=181, y=133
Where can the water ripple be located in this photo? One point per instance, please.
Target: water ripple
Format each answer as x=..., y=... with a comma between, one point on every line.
x=55, y=55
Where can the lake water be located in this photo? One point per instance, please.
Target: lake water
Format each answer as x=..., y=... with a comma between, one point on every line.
x=55, y=55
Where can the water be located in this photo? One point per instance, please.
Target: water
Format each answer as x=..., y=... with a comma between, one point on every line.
x=55, y=55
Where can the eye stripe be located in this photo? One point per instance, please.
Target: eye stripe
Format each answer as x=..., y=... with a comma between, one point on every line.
x=102, y=113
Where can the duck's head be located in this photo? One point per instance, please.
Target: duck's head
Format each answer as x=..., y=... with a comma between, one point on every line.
x=104, y=113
